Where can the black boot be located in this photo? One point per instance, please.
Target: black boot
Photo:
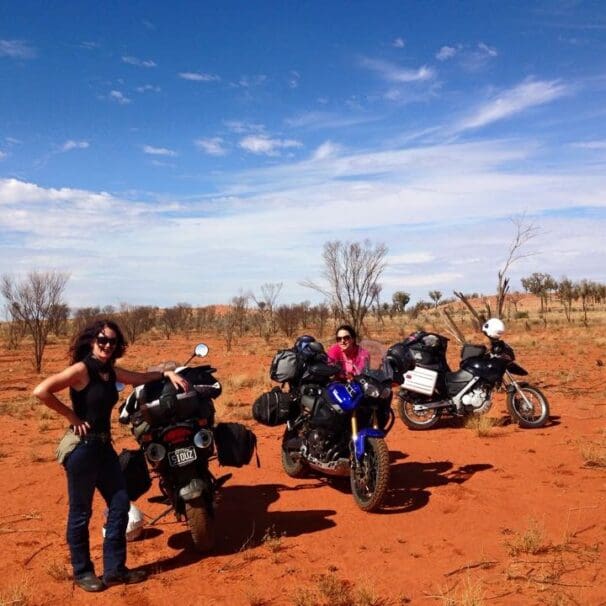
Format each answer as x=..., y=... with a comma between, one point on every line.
x=125, y=577
x=89, y=581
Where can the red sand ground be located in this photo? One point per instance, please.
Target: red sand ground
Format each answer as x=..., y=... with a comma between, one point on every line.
x=455, y=503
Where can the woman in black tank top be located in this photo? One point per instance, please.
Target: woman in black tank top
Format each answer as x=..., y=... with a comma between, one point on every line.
x=93, y=464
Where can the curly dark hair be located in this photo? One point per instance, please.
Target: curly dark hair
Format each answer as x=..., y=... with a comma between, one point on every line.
x=82, y=343
x=350, y=329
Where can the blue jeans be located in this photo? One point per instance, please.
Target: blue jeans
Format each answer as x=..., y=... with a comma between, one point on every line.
x=94, y=464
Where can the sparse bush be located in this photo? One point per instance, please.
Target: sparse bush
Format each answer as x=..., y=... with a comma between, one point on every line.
x=531, y=541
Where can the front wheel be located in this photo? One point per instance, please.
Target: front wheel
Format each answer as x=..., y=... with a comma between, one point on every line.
x=201, y=524
x=530, y=410
x=416, y=416
x=292, y=462
x=370, y=477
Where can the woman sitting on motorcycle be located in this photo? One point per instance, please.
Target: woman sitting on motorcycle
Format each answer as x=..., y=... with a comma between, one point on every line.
x=347, y=354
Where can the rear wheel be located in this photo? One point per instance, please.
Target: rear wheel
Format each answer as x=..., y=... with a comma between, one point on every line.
x=370, y=477
x=416, y=416
x=201, y=524
x=529, y=408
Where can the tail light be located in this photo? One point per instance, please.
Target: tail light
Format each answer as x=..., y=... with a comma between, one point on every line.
x=176, y=435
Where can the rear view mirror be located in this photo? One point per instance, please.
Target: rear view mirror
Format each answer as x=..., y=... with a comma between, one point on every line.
x=201, y=350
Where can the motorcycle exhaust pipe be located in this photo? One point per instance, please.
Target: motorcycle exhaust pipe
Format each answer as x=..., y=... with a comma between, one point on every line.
x=155, y=452
x=434, y=405
x=203, y=439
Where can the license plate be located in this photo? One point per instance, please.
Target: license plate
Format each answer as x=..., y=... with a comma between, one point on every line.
x=182, y=456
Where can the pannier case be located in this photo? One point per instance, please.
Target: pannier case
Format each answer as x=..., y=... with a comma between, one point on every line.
x=422, y=380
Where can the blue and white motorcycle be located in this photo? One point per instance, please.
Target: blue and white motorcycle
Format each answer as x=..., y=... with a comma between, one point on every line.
x=339, y=428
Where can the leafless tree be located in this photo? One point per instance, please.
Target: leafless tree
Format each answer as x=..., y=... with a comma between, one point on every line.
x=524, y=232
x=176, y=318
x=135, y=320
x=34, y=302
x=352, y=271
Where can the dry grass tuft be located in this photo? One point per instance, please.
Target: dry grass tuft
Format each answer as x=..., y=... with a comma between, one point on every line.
x=17, y=594
x=273, y=540
x=594, y=453
x=329, y=590
x=470, y=594
x=531, y=541
x=482, y=425
x=58, y=571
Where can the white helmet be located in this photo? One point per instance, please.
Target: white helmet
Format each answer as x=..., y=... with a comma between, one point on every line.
x=493, y=328
x=134, y=529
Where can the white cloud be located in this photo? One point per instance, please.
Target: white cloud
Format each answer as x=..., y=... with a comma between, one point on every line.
x=3, y=155
x=398, y=42
x=598, y=144
x=434, y=206
x=529, y=93
x=16, y=49
x=148, y=88
x=295, y=77
x=491, y=51
x=261, y=144
x=411, y=258
x=199, y=77
x=327, y=150
x=395, y=73
x=446, y=52
x=138, y=62
x=118, y=97
x=212, y=146
x=71, y=144
x=241, y=127
x=158, y=151
x=251, y=81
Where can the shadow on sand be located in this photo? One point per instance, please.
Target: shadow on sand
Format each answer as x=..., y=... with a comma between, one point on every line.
x=243, y=519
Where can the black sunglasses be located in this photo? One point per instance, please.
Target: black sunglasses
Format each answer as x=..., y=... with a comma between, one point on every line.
x=103, y=340
x=344, y=338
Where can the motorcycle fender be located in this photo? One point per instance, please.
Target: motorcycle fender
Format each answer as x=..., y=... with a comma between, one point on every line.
x=359, y=442
x=192, y=490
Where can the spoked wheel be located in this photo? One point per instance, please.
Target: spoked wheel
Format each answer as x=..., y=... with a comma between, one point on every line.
x=292, y=462
x=529, y=408
x=369, y=479
x=416, y=416
x=201, y=524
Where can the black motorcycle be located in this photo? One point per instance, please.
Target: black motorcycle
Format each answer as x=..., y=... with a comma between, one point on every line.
x=336, y=428
x=176, y=433
x=432, y=388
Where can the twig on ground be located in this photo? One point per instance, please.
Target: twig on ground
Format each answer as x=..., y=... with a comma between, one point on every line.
x=31, y=557
x=485, y=563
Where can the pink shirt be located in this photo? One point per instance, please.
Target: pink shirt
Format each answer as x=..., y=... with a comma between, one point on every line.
x=352, y=362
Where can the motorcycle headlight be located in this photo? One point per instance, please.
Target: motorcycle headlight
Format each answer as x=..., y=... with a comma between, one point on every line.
x=155, y=452
x=203, y=439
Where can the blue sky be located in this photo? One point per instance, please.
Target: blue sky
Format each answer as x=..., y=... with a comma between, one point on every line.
x=191, y=151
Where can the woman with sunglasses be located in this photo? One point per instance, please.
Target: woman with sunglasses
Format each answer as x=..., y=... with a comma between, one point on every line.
x=347, y=354
x=93, y=463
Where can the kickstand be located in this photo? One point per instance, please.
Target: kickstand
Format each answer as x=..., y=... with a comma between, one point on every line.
x=159, y=517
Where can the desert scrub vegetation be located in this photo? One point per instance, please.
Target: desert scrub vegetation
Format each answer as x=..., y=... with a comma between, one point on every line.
x=530, y=541
x=16, y=594
x=329, y=590
x=482, y=425
x=592, y=452
x=471, y=593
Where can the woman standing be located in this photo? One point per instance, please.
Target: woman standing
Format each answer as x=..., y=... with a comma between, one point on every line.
x=93, y=463
x=347, y=354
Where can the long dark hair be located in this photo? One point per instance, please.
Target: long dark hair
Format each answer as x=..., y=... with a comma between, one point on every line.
x=350, y=329
x=82, y=343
